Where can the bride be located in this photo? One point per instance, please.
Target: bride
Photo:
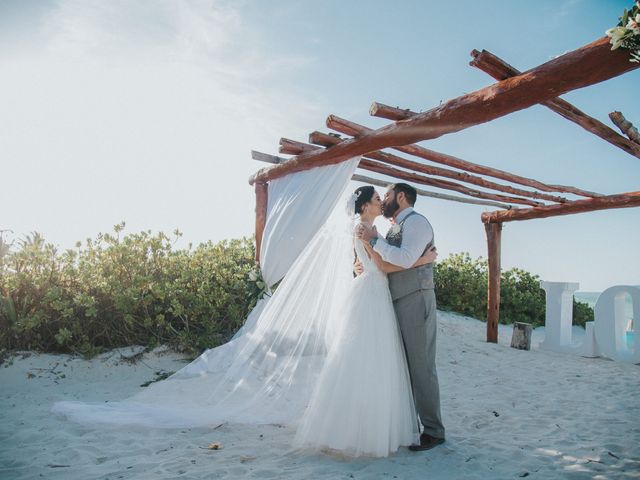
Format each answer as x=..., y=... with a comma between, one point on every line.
x=363, y=403
x=322, y=356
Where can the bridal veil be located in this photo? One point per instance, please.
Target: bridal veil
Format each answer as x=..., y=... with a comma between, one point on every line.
x=267, y=372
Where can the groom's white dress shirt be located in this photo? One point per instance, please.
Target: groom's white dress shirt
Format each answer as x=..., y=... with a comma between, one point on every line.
x=417, y=234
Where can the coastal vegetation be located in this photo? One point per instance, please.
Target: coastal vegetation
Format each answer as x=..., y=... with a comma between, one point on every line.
x=461, y=286
x=140, y=289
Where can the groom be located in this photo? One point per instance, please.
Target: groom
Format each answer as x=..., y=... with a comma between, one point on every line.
x=414, y=301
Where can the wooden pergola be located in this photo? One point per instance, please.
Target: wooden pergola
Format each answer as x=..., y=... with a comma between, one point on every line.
x=519, y=198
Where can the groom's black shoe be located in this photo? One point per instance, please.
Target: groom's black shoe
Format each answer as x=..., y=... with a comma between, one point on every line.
x=427, y=442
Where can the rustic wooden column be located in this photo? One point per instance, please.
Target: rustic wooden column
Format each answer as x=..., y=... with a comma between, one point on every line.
x=262, y=195
x=493, y=295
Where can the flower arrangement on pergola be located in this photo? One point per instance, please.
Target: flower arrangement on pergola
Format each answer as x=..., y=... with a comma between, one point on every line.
x=520, y=198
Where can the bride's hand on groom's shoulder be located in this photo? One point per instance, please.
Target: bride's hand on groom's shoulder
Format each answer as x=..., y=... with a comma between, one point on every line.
x=366, y=233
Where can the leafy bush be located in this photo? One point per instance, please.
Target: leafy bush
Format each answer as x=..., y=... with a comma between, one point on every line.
x=117, y=291
x=461, y=286
x=138, y=289
x=582, y=313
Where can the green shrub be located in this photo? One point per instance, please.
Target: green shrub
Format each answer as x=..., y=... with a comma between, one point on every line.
x=138, y=289
x=117, y=291
x=582, y=313
x=461, y=286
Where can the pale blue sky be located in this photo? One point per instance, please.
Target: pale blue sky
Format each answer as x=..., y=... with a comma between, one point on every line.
x=146, y=111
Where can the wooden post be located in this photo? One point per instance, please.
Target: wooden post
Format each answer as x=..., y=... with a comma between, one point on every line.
x=262, y=195
x=493, y=296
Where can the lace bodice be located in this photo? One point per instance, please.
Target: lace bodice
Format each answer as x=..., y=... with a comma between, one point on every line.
x=368, y=264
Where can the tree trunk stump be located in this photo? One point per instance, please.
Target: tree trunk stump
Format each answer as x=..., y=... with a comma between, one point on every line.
x=521, y=338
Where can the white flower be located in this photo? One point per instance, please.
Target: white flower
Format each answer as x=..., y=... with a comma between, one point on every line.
x=350, y=206
x=253, y=275
x=634, y=24
x=618, y=36
x=395, y=229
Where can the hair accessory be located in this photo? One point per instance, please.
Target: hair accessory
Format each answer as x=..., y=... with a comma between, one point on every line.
x=350, y=207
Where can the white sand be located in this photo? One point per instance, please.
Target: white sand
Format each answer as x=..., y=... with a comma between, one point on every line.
x=508, y=414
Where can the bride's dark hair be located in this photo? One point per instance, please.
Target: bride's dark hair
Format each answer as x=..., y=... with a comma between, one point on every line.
x=364, y=195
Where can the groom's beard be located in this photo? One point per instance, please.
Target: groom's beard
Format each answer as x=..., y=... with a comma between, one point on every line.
x=388, y=209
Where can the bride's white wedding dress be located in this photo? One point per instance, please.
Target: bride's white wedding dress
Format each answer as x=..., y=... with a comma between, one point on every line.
x=322, y=356
x=362, y=403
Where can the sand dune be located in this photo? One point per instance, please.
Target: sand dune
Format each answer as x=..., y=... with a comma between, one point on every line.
x=508, y=413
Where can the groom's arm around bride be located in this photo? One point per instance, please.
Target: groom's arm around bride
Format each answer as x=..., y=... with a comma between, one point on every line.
x=413, y=231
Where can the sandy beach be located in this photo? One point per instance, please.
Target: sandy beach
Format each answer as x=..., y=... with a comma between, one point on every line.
x=508, y=414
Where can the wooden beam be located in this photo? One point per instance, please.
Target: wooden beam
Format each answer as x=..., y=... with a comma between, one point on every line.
x=622, y=200
x=381, y=110
x=262, y=196
x=351, y=128
x=425, y=193
x=588, y=65
x=494, y=231
x=293, y=147
x=264, y=157
x=499, y=69
x=319, y=138
x=287, y=145
x=444, y=184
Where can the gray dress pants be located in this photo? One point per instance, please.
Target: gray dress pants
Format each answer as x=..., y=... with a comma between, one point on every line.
x=416, y=314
